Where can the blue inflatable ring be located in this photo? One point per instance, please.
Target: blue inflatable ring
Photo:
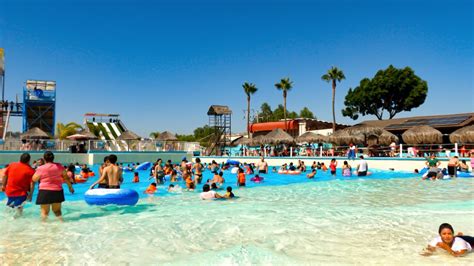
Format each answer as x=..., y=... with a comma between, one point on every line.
x=103, y=196
x=143, y=166
x=464, y=174
x=233, y=162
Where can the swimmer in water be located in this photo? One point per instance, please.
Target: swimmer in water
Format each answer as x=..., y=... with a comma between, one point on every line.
x=454, y=245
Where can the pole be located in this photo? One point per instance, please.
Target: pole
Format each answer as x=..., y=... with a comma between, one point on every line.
x=401, y=150
x=320, y=150
x=3, y=85
x=291, y=151
x=456, y=149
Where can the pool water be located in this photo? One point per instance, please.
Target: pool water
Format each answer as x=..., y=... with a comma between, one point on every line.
x=385, y=218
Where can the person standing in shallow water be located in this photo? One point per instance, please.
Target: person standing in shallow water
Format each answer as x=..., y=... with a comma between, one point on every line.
x=17, y=183
x=197, y=171
x=51, y=176
x=112, y=173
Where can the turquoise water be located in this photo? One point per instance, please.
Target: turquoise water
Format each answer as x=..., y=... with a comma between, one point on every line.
x=386, y=218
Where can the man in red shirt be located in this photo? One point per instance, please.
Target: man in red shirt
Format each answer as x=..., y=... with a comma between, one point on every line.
x=17, y=182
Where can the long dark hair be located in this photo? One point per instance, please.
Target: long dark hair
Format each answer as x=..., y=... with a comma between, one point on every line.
x=445, y=225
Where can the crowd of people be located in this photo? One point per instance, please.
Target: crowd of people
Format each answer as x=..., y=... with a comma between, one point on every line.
x=454, y=166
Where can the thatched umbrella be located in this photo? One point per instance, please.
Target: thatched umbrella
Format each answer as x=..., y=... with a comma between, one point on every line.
x=364, y=130
x=241, y=141
x=128, y=136
x=463, y=135
x=422, y=135
x=311, y=138
x=35, y=133
x=386, y=138
x=278, y=136
x=343, y=137
x=258, y=140
x=83, y=135
x=167, y=136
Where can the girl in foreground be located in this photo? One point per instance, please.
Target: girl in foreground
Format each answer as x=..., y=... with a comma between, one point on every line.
x=454, y=245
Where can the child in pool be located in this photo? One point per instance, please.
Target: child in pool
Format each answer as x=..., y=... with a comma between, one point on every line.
x=136, y=179
x=151, y=189
x=229, y=193
x=312, y=174
x=189, y=182
x=454, y=245
x=274, y=170
x=346, y=169
x=324, y=167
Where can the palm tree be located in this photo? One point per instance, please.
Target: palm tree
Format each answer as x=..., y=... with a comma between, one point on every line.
x=69, y=129
x=334, y=74
x=284, y=85
x=249, y=89
x=155, y=135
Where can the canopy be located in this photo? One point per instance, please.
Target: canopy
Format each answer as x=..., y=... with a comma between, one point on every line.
x=167, y=136
x=463, y=135
x=311, y=138
x=35, y=133
x=278, y=136
x=82, y=135
x=128, y=135
x=257, y=140
x=343, y=137
x=241, y=141
x=386, y=138
x=422, y=135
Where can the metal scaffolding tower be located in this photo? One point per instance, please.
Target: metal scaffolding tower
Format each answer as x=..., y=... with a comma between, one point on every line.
x=39, y=105
x=220, y=120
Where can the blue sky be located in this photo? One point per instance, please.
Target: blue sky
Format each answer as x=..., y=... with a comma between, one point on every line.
x=161, y=64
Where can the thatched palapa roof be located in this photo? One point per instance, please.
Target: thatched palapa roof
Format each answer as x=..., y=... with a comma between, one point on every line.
x=34, y=133
x=463, y=135
x=278, y=136
x=422, y=135
x=219, y=110
x=241, y=141
x=386, y=138
x=311, y=138
x=167, y=136
x=128, y=135
x=343, y=137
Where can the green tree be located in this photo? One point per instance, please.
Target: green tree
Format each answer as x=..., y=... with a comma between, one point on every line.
x=266, y=112
x=334, y=75
x=154, y=135
x=392, y=90
x=65, y=130
x=278, y=113
x=284, y=85
x=249, y=89
x=306, y=113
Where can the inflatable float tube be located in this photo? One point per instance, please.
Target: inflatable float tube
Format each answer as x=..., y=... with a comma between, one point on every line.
x=257, y=179
x=464, y=174
x=423, y=171
x=234, y=170
x=101, y=196
x=143, y=166
x=289, y=172
x=232, y=162
x=80, y=179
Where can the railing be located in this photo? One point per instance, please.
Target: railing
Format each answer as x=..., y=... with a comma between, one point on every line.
x=97, y=145
x=399, y=150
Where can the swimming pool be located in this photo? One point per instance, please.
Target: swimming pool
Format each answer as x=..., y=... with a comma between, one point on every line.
x=386, y=218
